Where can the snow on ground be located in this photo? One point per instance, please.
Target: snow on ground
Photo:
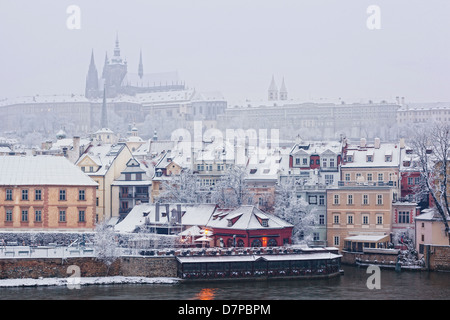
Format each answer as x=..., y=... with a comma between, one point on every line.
x=72, y=281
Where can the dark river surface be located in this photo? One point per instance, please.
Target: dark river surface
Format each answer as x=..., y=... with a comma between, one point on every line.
x=352, y=285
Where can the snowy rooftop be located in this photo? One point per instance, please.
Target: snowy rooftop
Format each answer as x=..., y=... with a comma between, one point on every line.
x=103, y=155
x=41, y=170
x=192, y=215
x=248, y=217
x=371, y=155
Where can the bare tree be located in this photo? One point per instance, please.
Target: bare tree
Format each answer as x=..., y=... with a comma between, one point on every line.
x=431, y=145
x=105, y=245
x=231, y=190
x=182, y=188
x=295, y=211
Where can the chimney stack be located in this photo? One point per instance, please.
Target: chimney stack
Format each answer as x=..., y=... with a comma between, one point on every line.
x=157, y=212
x=377, y=143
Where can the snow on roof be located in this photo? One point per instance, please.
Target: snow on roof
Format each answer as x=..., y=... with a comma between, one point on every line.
x=251, y=258
x=103, y=155
x=192, y=215
x=41, y=170
x=44, y=99
x=378, y=158
x=250, y=217
x=368, y=238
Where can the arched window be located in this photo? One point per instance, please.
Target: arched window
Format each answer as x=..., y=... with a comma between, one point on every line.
x=256, y=243
x=272, y=243
x=240, y=243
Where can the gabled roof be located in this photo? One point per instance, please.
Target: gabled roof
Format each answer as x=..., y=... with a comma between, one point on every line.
x=41, y=170
x=248, y=217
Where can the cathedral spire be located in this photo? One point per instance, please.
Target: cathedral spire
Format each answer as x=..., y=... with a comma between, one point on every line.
x=92, y=79
x=283, y=91
x=116, y=58
x=273, y=90
x=104, y=119
x=141, y=66
x=105, y=65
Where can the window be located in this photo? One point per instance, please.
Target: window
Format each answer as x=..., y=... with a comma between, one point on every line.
x=350, y=219
x=369, y=177
x=365, y=219
x=321, y=200
x=128, y=176
x=318, y=161
x=38, y=215
x=62, y=215
x=316, y=236
x=9, y=215
x=329, y=179
x=305, y=161
x=379, y=219
x=336, y=199
x=417, y=180
x=379, y=199
x=349, y=199
x=365, y=199
x=138, y=176
x=9, y=194
x=25, y=194
x=24, y=215
x=81, y=195
x=38, y=194
x=62, y=195
x=410, y=181
x=331, y=162
x=91, y=169
x=403, y=217
x=336, y=240
x=380, y=177
x=336, y=219
x=321, y=219
x=324, y=162
x=312, y=199
x=369, y=159
x=347, y=177
x=81, y=216
x=297, y=161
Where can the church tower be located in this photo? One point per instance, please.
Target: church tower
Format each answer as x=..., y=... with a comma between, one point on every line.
x=273, y=91
x=92, y=80
x=283, y=91
x=114, y=71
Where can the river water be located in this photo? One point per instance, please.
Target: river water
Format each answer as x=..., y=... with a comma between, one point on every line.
x=405, y=285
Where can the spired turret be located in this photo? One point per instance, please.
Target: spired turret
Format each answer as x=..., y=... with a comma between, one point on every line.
x=92, y=80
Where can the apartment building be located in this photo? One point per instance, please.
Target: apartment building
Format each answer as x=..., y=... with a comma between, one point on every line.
x=45, y=193
x=362, y=211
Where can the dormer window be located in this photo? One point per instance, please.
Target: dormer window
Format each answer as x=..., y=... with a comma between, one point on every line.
x=370, y=158
x=265, y=222
x=388, y=158
x=349, y=158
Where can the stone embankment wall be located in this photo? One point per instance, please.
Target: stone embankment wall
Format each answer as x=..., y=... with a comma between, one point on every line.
x=437, y=257
x=89, y=267
x=369, y=257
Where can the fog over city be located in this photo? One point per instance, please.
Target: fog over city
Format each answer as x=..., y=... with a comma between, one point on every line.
x=323, y=49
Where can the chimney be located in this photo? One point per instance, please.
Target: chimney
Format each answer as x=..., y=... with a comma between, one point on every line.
x=377, y=143
x=179, y=213
x=157, y=212
x=76, y=146
x=167, y=212
x=363, y=143
x=402, y=143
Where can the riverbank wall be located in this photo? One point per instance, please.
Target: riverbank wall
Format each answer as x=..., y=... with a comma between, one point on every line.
x=19, y=268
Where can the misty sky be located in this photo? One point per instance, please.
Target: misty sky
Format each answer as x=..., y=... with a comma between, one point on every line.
x=323, y=48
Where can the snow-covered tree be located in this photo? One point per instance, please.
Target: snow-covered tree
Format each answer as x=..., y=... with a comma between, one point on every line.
x=182, y=188
x=295, y=211
x=105, y=245
x=431, y=145
x=231, y=190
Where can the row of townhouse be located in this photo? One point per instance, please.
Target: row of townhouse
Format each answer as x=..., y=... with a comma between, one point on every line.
x=362, y=193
